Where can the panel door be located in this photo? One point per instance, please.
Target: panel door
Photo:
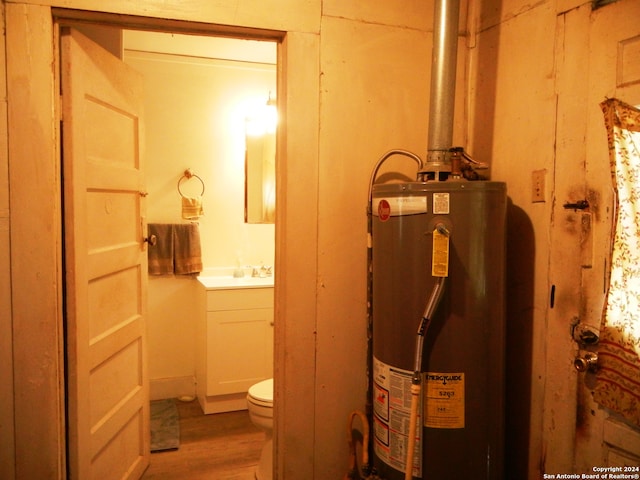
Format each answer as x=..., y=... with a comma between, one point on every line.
x=105, y=263
x=599, y=57
x=602, y=437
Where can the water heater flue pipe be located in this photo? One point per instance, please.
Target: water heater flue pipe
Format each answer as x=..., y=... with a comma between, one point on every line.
x=416, y=380
x=443, y=85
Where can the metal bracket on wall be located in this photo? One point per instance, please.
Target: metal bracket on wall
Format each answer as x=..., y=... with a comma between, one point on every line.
x=579, y=205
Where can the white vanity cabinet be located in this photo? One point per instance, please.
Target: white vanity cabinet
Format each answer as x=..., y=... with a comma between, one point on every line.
x=235, y=345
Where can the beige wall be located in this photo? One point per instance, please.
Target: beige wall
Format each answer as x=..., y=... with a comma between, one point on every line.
x=512, y=124
x=195, y=109
x=355, y=82
x=198, y=91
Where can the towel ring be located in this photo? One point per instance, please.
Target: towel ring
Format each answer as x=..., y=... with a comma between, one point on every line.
x=189, y=174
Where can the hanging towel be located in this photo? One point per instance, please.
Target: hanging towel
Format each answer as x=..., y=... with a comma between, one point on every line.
x=192, y=208
x=160, y=255
x=187, y=256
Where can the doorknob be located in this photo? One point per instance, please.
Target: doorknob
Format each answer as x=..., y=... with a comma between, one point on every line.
x=151, y=240
x=588, y=362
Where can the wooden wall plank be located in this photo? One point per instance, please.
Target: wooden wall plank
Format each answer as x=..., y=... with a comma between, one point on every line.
x=293, y=15
x=296, y=293
x=7, y=452
x=35, y=243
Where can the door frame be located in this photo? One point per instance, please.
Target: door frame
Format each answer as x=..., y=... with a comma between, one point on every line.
x=578, y=432
x=36, y=241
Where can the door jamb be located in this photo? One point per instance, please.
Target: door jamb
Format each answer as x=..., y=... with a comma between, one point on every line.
x=62, y=17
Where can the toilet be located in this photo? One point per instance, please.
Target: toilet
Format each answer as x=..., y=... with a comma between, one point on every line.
x=260, y=405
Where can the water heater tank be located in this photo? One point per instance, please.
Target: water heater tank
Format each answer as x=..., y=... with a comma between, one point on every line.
x=462, y=394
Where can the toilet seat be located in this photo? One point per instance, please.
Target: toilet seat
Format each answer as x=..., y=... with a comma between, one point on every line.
x=262, y=393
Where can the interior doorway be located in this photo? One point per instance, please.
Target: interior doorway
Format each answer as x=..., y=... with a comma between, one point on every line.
x=199, y=92
x=110, y=37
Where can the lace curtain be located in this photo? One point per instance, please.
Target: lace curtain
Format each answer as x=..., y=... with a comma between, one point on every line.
x=618, y=378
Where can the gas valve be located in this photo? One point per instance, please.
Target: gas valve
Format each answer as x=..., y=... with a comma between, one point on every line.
x=587, y=362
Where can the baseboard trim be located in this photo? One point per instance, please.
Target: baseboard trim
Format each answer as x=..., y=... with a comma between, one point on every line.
x=223, y=403
x=174, y=387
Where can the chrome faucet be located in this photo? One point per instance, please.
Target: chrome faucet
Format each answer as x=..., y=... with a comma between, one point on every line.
x=261, y=271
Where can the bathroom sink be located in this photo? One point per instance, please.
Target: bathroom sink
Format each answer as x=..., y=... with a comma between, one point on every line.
x=218, y=282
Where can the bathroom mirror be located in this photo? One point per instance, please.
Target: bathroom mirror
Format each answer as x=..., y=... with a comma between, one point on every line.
x=260, y=167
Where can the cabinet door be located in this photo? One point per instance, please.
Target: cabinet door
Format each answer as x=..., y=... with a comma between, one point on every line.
x=239, y=349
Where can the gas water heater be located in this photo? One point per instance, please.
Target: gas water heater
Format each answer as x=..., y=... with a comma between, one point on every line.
x=423, y=232
x=436, y=301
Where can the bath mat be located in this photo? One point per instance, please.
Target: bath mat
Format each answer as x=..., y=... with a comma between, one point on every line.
x=165, y=425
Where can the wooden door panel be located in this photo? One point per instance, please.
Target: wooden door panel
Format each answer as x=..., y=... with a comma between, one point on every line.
x=622, y=444
x=110, y=462
x=105, y=265
x=99, y=265
x=614, y=71
x=114, y=141
x=113, y=381
x=595, y=46
x=609, y=56
x=109, y=214
x=117, y=304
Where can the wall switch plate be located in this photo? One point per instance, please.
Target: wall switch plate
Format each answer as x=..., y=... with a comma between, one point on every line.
x=537, y=185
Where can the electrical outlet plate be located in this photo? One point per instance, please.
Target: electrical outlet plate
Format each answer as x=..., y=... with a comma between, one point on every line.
x=537, y=185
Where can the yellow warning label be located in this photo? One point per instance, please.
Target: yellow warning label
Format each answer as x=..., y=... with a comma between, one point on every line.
x=440, y=255
x=444, y=400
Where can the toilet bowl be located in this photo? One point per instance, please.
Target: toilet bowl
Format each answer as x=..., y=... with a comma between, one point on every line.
x=260, y=406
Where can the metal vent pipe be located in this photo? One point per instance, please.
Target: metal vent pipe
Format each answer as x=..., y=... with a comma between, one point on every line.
x=443, y=85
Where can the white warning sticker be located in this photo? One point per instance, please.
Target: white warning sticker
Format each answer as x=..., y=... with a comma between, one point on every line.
x=392, y=411
x=398, y=206
x=441, y=203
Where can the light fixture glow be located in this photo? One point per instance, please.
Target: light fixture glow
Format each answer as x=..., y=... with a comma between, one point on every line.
x=262, y=119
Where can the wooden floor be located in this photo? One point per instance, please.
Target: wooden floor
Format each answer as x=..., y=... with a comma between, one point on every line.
x=223, y=446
